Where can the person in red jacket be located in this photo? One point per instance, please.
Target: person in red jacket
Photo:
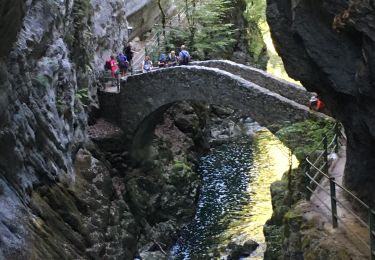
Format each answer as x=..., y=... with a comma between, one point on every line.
x=316, y=103
x=114, y=67
x=319, y=105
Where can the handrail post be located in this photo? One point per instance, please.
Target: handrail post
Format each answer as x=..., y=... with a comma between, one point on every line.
x=307, y=182
x=332, y=186
x=372, y=233
x=325, y=144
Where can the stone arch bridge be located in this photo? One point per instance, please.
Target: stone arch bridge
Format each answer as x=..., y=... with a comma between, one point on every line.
x=144, y=97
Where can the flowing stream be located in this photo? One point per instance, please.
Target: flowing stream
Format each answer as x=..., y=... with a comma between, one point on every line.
x=235, y=199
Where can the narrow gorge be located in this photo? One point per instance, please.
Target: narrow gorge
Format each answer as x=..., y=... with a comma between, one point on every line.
x=181, y=162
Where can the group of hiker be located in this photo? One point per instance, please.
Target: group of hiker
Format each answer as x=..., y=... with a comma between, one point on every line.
x=169, y=60
x=120, y=64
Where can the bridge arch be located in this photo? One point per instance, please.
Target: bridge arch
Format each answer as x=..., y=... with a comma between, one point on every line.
x=143, y=94
x=145, y=97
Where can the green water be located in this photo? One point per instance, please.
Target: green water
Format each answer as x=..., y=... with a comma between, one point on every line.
x=235, y=199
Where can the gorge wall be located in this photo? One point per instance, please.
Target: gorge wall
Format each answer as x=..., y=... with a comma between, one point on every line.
x=50, y=50
x=329, y=47
x=144, y=14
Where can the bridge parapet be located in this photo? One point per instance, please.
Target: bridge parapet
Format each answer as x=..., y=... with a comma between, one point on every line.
x=284, y=88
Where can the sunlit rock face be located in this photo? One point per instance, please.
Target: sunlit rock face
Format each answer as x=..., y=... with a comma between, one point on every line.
x=49, y=50
x=142, y=15
x=329, y=47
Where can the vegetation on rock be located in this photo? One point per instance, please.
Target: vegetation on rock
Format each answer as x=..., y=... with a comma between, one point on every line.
x=304, y=137
x=289, y=234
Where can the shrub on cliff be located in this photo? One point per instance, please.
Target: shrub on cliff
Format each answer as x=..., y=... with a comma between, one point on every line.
x=303, y=138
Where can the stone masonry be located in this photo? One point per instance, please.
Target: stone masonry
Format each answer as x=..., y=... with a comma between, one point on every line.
x=282, y=87
x=144, y=94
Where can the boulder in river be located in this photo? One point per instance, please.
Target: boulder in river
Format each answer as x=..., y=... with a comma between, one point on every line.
x=237, y=250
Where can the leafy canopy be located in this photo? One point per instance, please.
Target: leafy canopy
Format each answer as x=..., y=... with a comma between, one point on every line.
x=206, y=29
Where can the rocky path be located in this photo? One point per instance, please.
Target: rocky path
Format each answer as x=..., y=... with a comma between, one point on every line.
x=103, y=129
x=352, y=234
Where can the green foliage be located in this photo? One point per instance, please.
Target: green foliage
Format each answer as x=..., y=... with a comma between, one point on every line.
x=182, y=174
x=80, y=34
x=181, y=166
x=83, y=97
x=207, y=29
x=255, y=15
x=42, y=81
x=303, y=138
x=256, y=11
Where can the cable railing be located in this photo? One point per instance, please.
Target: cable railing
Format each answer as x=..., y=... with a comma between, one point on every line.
x=316, y=171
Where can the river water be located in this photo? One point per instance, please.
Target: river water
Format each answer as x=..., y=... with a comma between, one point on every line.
x=235, y=199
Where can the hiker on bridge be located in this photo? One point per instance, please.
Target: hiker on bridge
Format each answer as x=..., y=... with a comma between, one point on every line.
x=113, y=67
x=162, y=63
x=123, y=63
x=184, y=56
x=146, y=65
x=129, y=55
x=172, y=59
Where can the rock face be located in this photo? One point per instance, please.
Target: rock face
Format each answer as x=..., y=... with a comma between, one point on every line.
x=329, y=47
x=162, y=192
x=144, y=14
x=249, y=38
x=49, y=51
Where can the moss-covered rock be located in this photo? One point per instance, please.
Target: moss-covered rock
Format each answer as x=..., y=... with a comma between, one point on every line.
x=304, y=137
x=295, y=231
x=84, y=215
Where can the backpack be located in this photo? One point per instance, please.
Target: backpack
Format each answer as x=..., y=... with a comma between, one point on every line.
x=147, y=65
x=121, y=58
x=107, y=65
x=163, y=58
x=185, y=57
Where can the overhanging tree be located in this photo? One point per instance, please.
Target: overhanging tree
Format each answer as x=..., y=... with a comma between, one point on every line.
x=206, y=30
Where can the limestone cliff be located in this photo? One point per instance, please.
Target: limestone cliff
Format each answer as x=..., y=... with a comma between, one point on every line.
x=144, y=14
x=249, y=48
x=49, y=51
x=329, y=47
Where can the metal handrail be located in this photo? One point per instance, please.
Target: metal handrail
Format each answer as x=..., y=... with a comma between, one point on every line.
x=320, y=170
x=318, y=184
x=354, y=214
x=355, y=234
x=321, y=142
x=316, y=168
x=353, y=196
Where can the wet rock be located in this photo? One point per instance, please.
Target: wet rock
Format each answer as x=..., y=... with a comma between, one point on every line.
x=221, y=111
x=241, y=250
x=154, y=256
